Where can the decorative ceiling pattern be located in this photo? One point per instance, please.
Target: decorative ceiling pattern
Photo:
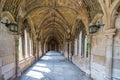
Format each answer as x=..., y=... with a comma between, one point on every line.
x=12, y=6
x=93, y=7
x=54, y=18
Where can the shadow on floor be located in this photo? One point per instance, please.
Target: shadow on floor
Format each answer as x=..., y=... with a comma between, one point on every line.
x=53, y=66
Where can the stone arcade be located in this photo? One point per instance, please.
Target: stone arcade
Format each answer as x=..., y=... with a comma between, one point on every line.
x=62, y=26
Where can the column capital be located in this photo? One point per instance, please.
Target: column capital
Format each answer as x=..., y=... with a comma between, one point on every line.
x=110, y=32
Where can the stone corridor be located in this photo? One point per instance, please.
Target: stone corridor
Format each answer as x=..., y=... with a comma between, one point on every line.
x=53, y=66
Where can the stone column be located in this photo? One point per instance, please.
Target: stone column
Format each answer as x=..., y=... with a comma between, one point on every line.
x=40, y=50
x=89, y=37
x=34, y=49
x=16, y=53
x=109, y=53
x=70, y=50
x=66, y=54
x=37, y=50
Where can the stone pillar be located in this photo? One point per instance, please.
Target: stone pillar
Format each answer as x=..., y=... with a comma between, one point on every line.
x=109, y=53
x=66, y=53
x=89, y=37
x=40, y=49
x=34, y=49
x=16, y=53
x=67, y=49
x=37, y=50
x=70, y=50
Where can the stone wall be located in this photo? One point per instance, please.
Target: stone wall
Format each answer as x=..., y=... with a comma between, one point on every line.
x=82, y=63
x=116, y=56
x=116, y=51
x=7, y=55
x=98, y=56
x=24, y=64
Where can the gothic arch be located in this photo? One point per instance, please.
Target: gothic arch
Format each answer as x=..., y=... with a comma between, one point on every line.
x=97, y=16
x=8, y=15
x=115, y=13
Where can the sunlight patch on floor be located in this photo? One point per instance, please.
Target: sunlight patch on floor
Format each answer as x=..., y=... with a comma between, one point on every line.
x=47, y=58
x=42, y=69
x=35, y=74
x=41, y=64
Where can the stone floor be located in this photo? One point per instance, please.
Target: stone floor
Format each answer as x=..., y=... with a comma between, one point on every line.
x=53, y=66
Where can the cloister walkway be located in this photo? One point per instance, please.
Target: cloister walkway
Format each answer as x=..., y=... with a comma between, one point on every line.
x=53, y=66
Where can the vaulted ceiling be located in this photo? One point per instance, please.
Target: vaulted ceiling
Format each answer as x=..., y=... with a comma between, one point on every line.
x=54, y=18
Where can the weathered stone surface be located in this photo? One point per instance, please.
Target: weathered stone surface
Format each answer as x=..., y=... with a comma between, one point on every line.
x=97, y=69
x=99, y=59
x=10, y=74
x=8, y=44
x=24, y=64
x=8, y=67
x=5, y=60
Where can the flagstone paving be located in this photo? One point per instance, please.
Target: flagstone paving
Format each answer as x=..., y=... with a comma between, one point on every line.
x=53, y=66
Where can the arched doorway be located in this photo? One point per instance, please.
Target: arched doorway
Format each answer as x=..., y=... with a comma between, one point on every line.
x=52, y=45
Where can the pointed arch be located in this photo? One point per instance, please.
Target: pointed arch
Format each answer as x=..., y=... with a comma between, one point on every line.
x=8, y=15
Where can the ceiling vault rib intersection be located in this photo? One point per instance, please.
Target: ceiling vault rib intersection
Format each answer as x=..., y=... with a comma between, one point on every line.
x=60, y=15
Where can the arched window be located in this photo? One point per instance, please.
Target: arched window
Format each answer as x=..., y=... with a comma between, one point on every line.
x=80, y=43
x=75, y=46
x=20, y=53
x=26, y=44
x=86, y=46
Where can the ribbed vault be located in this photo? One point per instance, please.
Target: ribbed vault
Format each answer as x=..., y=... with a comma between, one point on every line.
x=54, y=18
